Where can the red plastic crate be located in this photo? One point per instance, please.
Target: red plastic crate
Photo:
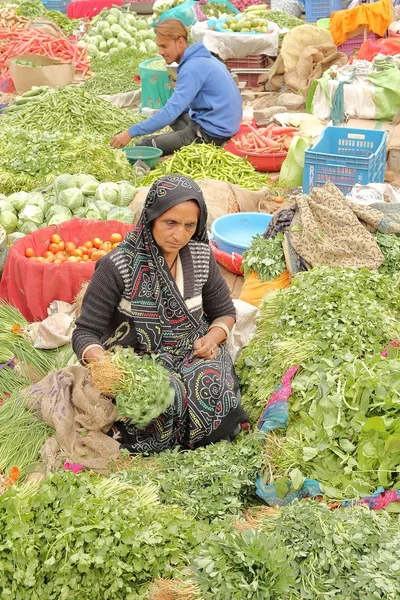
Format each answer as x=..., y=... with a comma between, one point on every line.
x=253, y=61
x=355, y=43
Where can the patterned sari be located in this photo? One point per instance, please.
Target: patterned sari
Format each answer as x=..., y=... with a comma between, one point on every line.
x=206, y=407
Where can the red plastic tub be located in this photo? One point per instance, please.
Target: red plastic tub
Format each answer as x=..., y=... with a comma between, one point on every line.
x=264, y=162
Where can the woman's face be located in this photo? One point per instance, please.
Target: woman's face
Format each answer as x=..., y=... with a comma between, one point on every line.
x=173, y=229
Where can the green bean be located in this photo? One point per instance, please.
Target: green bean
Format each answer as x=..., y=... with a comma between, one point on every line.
x=206, y=161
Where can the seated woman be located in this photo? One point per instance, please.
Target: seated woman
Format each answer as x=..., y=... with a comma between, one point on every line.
x=161, y=292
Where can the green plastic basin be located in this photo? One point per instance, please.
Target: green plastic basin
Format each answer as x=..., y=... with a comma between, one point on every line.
x=323, y=23
x=147, y=154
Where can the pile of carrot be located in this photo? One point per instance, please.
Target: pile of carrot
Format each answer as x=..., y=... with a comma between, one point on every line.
x=266, y=140
x=16, y=42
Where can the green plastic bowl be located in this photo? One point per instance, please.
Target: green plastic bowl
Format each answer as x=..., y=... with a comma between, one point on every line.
x=323, y=23
x=147, y=154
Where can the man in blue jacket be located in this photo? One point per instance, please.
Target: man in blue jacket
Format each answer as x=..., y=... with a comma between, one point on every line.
x=206, y=105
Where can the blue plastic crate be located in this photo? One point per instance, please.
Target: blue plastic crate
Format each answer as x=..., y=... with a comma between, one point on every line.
x=346, y=157
x=60, y=5
x=319, y=9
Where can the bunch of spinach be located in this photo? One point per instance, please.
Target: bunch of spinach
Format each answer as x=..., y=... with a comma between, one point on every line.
x=390, y=248
x=344, y=429
x=325, y=312
x=266, y=257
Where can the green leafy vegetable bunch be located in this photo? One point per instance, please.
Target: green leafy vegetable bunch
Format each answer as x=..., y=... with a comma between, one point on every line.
x=266, y=257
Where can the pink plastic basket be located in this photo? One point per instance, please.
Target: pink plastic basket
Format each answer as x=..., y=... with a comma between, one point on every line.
x=355, y=43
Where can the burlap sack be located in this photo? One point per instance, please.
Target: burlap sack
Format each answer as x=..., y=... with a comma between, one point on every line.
x=299, y=38
x=221, y=198
x=312, y=62
x=67, y=401
x=47, y=27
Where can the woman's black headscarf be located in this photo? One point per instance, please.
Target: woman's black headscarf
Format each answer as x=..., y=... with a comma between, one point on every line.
x=170, y=190
x=155, y=303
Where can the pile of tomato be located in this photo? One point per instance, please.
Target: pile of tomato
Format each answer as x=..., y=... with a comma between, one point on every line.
x=59, y=251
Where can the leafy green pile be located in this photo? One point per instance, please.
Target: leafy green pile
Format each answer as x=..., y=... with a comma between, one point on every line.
x=145, y=390
x=29, y=160
x=325, y=312
x=114, y=72
x=210, y=483
x=72, y=110
x=306, y=551
x=344, y=429
x=266, y=257
x=35, y=9
x=91, y=537
x=206, y=161
x=390, y=248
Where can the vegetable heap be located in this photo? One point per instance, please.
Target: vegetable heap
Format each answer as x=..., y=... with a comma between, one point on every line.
x=16, y=42
x=246, y=23
x=9, y=19
x=279, y=17
x=343, y=430
x=206, y=161
x=266, y=140
x=59, y=252
x=35, y=9
x=67, y=197
x=69, y=109
x=390, y=248
x=114, y=30
x=304, y=551
x=28, y=160
x=140, y=385
x=266, y=257
x=114, y=72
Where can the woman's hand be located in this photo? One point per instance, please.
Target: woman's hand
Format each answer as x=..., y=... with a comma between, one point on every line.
x=93, y=355
x=121, y=140
x=207, y=346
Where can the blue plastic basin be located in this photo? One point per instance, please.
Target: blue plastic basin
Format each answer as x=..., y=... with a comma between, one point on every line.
x=233, y=232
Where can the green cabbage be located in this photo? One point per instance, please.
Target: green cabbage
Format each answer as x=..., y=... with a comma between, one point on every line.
x=93, y=213
x=109, y=192
x=103, y=46
x=116, y=29
x=58, y=209
x=56, y=219
x=19, y=199
x=124, y=37
x=89, y=188
x=107, y=34
x=121, y=213
x=32, y=212
x=80, y=180
x=116, y=13
x=26, y=227
x=80, y=212
x=63, y=182
x=37, y=199
x=5, y=205
x=71, y=198
x=100, y=26
x=104, y=208
x=9, y=220
x=127, y=193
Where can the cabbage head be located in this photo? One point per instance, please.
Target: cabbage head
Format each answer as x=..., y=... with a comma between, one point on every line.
x=5, y=205
x=121, y=213
x=71, y=198
x=114, y=11
x=111, y=20
x=103, y=46
x=108, y=192
x=81, y=179
x=9, y=220
x=116, y=29
x=37, y=199
x=93, y=213
x=127, y=193
x=104, y=208
x=89, y=188
x=58, y=209
x=124, y=37
x=107, y=34
x=80, y=212
x=141, y=24
x=33, y=213
x=56, y=220
x=100, y=26
x=63, y=182
x=19, y=199
x=26, y=227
